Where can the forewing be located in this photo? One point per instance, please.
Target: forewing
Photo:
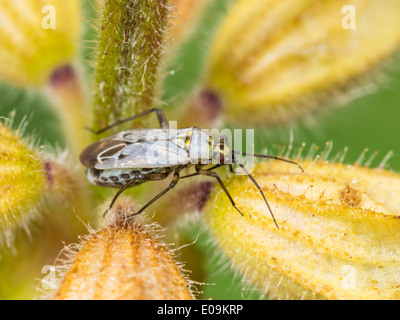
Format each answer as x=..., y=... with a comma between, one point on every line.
x=147, y=154
x=104, y=147
x=143, y=135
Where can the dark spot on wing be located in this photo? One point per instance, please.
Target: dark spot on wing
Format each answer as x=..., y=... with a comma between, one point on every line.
x=94, y=172
x=114, y=179
x=129, y=138
x=88, y=156
x=126, y=135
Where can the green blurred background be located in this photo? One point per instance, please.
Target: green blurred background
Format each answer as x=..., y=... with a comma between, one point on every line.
x=370, y=121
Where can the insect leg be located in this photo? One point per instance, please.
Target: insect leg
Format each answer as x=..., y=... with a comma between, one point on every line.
x=262, y=193
x=131, y=183
x=197, y=173
x=173, y=183
x=212, y=174
x=269, y=157
x=160, y=114
x=152, y=176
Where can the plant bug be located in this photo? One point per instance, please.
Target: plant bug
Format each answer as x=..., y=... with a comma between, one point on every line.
x=135, y=156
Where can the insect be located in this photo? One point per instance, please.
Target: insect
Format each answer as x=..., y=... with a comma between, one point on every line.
x=132, y=157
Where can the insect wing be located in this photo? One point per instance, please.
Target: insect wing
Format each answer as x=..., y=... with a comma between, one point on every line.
x=136, y=135
x=140, y=135
x=147, y=154
x=155, y=154
x=105, y=148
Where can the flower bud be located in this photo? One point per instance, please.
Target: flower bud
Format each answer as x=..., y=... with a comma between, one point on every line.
x=337, y=237
x=37, y=38
x=274, y=60
x=22, y=183
x=28, y=179
x=124, y=260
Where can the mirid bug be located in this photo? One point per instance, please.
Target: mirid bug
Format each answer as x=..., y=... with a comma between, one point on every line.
x=135, y=156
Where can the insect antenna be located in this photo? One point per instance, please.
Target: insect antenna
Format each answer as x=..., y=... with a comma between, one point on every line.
x=254, y=181
x=259, y=188
x=268, y=157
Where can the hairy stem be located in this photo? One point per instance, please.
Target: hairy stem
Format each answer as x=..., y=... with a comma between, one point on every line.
x=130, y=47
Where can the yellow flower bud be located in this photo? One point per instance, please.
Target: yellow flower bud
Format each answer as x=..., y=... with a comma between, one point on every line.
x=337, y=237
x=27, y=180
x=37, y=38
x=273, y=60
x=123, y=261
x=22, y=183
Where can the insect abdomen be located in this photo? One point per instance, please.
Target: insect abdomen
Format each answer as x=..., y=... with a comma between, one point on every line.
x=115, y=178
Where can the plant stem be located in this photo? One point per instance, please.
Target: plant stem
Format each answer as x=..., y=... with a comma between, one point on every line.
x=130, y=47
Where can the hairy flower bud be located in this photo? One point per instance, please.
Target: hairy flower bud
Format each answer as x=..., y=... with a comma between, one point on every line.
x=337, y=237
x=37, y=38
x=22, y=182
x=27, y=179
x=274, y=60
x=123, y=261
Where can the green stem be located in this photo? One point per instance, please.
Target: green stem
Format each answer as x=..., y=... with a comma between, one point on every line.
x=128, y=65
